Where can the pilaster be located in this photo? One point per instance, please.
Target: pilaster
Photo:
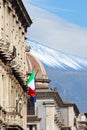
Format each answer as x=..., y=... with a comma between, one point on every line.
x=50, y=106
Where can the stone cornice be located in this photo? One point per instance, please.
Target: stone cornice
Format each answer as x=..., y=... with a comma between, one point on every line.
x=49, y=103
x=43, y=80
x=82, y=122
x=50, y=95
x=70, y=104
x=21, y=12
x=32, y=118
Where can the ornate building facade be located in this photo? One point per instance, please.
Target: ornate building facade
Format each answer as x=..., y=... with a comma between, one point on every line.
x=70, y=113
x=14, y=21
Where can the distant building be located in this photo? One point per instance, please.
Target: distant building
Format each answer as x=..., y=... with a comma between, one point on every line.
x=70, y=114
x=14, y=21
x=82, y=121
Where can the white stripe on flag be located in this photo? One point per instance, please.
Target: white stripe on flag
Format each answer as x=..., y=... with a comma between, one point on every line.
x=32, y=85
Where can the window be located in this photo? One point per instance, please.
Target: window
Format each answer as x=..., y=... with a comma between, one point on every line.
x=32, y=127
x=30, y=108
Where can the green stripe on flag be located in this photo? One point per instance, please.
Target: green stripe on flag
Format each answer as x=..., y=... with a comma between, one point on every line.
x=30, y=78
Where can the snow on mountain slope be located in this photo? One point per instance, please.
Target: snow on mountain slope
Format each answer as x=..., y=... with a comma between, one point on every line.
x=57, y=58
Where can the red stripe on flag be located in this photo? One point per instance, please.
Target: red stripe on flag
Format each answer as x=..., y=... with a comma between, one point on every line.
x=31, y=92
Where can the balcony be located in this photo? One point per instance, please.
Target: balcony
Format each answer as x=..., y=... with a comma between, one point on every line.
x=2, y=115
x=10, y=118
x=4, y=51
x=8, y=58
x=13, y=119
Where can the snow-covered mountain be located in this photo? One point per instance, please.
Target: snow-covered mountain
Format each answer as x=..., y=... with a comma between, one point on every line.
x=56, y=58
x=67, y=72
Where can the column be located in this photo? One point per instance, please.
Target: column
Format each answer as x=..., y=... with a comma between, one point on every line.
x=4, y=85
x=49, y=105
x=9, y=89
x=1, y=88
x=1, y=19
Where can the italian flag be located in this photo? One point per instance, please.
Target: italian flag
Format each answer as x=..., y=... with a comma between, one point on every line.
x=31, y=85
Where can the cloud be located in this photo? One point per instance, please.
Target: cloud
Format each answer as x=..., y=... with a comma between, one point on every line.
x=56, y=32
x=63, y=9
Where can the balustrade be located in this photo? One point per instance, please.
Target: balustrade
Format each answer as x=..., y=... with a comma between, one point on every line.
x=12, y=119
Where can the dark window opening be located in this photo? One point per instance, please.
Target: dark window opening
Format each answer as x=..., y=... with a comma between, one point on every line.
x=30, y=108
x=32, y=127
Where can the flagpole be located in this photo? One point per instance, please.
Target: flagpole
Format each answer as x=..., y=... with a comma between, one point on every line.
x=36, y=73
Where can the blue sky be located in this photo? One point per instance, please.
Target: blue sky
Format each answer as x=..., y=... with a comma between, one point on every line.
x=60, y=24
x=72, y=10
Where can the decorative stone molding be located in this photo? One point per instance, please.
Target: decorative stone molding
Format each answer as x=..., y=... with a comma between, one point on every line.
x=17, y=75
x=22, y=13
x=49, y=103
x=33, y=118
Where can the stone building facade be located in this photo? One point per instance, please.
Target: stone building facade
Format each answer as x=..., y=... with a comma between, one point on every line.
x=14, y=21
x=82, y=121
x=70, y=114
